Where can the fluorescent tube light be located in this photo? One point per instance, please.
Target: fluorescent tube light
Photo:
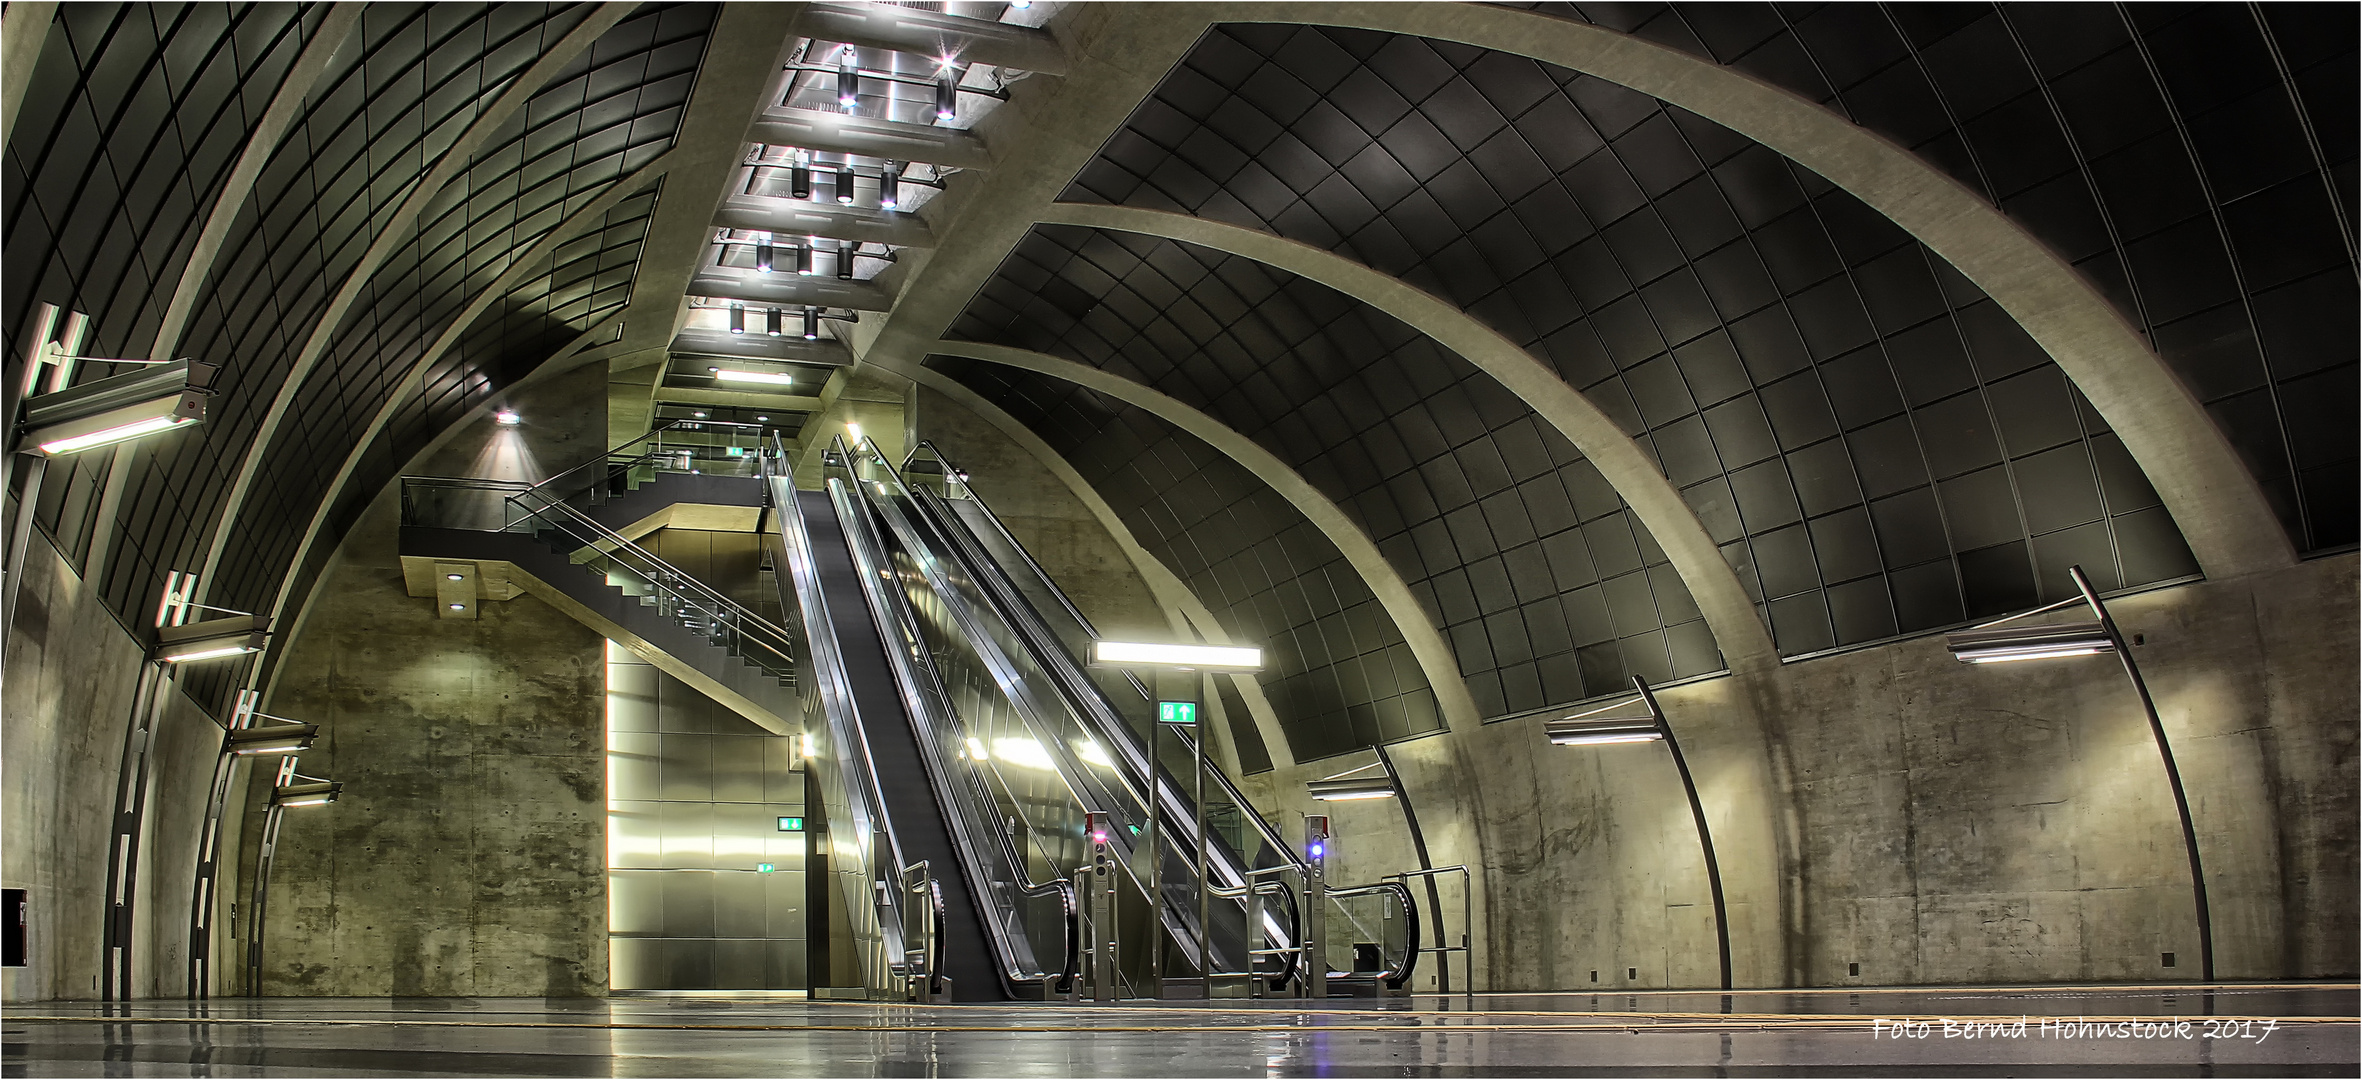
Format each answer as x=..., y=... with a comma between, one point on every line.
x=2004, y=644
x=1215, y=657
x=109, y=436
x=765, y=377
x=1366, y=787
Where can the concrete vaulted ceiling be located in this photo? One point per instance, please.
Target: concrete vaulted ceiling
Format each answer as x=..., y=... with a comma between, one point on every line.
x=1786, y=331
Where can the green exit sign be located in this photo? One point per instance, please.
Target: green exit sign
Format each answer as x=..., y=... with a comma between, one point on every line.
x=791, y=824
x=764, y=868
x=1176, y=712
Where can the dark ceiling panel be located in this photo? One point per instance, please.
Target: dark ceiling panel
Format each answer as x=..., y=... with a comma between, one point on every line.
x=2196, y=161
x=1786, y=352
x=1498, y=524
x=1337, y=670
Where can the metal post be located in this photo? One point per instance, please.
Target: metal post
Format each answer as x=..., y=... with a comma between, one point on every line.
x=1697, y=810
x=1254, y=934
x=124, y=838
x=2173, y=772
x=1312, y=953
x=1205, y=885
x=1103, y=970
x=1156, y=865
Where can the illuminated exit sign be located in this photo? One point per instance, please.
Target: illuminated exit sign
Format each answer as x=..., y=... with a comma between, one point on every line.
x=1176, y=712
x=791, y=824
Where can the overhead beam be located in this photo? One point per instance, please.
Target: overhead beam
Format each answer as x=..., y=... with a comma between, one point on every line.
x=791, y=290
x=24, y=31
x=812, y=129
x=907, y=29
x=1738, y=630
x=738, y=399
x=698, y=341
x=799, y=217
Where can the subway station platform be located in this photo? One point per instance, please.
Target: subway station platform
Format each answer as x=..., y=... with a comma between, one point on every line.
x=2281, y=1029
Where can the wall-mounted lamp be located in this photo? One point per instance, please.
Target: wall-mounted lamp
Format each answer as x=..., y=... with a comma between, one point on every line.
x=212, y=639
x=309, y=793
x=281, y=738
x=2002, y=645
x=115, y=409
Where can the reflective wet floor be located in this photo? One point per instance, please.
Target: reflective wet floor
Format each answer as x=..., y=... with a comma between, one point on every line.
x=2242, y=1030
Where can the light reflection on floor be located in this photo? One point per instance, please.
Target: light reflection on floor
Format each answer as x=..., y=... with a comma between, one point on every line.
x=2305, y=1029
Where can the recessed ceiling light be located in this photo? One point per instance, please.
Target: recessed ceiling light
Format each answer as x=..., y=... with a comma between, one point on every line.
x=456, y=577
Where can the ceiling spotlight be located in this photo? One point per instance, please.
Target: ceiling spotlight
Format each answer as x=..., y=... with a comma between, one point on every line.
x=768, y=377
x=456, y=577
x=804, y=260
x=890, y=187
x=771, y=318
x=459, y=607
x=506, y=417
x=811, y=324
x=799, y=180
x=698, y=415
x=764, y=419
x=947, y=92
x=848, y=79
x=845, y=253
x=738, y=318
x=845, y=185
x=763, y=254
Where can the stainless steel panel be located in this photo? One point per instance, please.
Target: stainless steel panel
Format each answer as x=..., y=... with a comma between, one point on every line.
x=688, y=905
x=738, y=904
x=686, y=830
x=687, y=765
x=635, y=902
x=738, y=767
x=631, y=697
x=635, y=834
x=631, y=765
x=636, y=964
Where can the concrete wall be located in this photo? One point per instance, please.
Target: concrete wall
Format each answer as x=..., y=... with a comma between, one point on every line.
x=468, y=854
x=72, y=675
x=1938, y=822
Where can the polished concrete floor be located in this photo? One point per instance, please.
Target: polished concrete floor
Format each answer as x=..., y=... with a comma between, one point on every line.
x=2236, y=1030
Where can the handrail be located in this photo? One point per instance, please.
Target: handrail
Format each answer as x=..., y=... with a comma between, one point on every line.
x=912, y=690
x=672, y=577
x=1270, y=838
x=1443, y=951
x=1410, y=917
x=609, y=455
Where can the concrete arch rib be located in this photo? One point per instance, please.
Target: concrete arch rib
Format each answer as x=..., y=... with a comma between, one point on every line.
x=1745, y=642
x=1435, y=656
x=2216, y=502
x=1183, y=610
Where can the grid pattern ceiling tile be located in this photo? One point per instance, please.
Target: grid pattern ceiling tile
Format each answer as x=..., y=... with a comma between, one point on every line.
x=1878, y=448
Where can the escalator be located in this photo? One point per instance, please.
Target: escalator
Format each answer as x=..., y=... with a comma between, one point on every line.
x=958, y=744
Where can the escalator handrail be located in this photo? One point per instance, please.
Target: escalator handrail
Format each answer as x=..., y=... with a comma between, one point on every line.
x=1410, y=921
x=918, y=702
x=831, y=683
x=1270, y=838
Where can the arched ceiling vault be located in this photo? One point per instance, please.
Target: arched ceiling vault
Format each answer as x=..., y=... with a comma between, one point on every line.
x=1433, y=653
x=1738, y=630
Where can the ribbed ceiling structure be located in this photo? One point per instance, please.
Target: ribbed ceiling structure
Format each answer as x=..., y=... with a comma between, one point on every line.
x=378, y=216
